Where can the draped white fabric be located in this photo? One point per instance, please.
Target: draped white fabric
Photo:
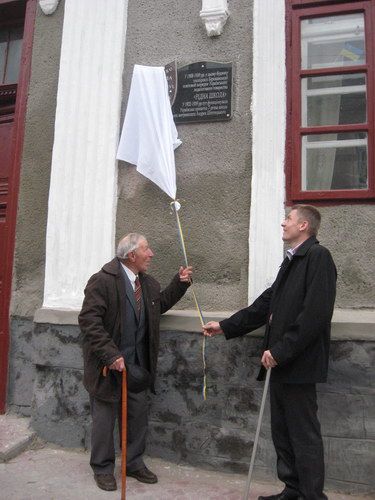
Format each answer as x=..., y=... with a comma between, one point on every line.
x=149, y=135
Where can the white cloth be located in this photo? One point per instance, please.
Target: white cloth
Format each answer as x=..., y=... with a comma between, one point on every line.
x=149, y=135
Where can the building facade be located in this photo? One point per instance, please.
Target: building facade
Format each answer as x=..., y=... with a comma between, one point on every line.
x=301, y=130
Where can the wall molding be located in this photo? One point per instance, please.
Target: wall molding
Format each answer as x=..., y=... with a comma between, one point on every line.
x=48, y=6
x=347, y=324
x=214, y=15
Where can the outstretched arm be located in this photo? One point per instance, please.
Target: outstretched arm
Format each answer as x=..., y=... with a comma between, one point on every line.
x=176, y=289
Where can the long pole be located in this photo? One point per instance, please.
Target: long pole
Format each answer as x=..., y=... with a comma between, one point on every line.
x=200, y=314
x=265, y=390
x=124, y=430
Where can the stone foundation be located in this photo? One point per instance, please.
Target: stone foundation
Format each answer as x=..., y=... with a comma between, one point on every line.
x=46, y=382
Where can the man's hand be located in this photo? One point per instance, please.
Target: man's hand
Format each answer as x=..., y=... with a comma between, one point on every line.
x=212, y=328
x=267, y=360
x=185, y=274
x=118, y=364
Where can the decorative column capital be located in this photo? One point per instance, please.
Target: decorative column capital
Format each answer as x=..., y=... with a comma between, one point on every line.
x=214, y=15
x=48, y=6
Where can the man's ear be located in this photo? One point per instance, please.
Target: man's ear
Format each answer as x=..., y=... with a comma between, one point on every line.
x=130, y=256
x=304, y=225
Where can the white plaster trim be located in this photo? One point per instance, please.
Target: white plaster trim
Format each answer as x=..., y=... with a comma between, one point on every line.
x=214, y=15
x=269, y=115
x=350, y=324
x=83, y=188
x=48, y=6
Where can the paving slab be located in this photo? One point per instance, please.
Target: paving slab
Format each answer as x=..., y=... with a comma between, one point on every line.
x=60, y=474
x=15, y=436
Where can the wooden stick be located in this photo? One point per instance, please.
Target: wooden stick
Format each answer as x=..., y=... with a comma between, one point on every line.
x=124, y=412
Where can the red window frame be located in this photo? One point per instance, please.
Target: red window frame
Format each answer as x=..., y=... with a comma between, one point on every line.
x=297, y=10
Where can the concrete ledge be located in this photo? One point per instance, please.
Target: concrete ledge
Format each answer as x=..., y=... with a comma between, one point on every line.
x=56, y=316
x=15, y=436
x=347, y=324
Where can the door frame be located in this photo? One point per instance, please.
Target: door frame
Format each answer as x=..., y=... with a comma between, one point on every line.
x=14, y=181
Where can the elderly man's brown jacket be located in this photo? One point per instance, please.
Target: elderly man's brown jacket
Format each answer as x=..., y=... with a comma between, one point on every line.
x=101, y=319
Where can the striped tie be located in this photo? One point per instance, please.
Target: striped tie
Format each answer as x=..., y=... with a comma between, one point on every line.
x=138, y=294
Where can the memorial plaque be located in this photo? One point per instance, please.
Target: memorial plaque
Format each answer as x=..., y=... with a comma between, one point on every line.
x=204, y=93
x=171, y=76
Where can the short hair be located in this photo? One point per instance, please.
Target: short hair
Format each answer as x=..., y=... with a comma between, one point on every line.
x=311, y=215
x=127, y=244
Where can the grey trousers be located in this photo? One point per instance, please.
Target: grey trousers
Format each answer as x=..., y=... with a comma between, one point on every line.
x=297, y=439
x=102, y=440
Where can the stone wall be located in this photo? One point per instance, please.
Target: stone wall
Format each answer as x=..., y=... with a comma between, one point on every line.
x=46, y=382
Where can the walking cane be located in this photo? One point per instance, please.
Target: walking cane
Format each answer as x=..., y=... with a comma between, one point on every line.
x=265, y=390
x=124, y=430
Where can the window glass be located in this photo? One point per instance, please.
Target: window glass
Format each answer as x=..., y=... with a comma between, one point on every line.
x=333, y=41
x=3, y=51
x=334, y=161
x=14, y=55
x=333, y=100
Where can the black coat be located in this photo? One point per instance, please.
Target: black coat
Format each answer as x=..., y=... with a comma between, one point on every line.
x=297, y=310
x=101, y=319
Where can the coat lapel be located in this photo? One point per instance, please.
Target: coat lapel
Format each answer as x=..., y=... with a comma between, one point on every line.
x=282, y=272
x=287, y=263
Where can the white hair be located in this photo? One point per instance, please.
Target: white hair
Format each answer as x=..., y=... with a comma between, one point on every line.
x=127, y=244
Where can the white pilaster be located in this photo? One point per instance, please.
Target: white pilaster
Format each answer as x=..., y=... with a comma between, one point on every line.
x=269, y=115
x=83, y=188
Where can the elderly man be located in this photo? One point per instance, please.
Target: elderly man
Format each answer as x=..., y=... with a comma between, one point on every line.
x=120, y=326
x=297, y=310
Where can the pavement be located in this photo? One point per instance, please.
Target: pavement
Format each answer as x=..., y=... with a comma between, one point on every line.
x=44, y=472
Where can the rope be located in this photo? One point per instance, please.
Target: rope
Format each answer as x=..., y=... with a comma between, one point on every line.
x=182, y=241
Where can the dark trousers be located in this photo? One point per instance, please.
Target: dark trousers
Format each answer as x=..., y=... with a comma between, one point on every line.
x=297, y=439
x=103, y=423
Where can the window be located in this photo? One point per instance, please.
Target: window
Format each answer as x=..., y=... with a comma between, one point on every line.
x=330, y=95
x=12, y=16
x=10, y=54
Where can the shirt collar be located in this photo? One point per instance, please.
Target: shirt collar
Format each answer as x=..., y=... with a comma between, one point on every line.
x=292, y=251
x=132, y=277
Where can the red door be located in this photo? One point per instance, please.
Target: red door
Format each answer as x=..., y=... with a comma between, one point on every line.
x=16, y=30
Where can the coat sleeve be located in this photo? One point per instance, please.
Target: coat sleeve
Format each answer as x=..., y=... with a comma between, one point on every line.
x=172, y=293
x=317, y=309
x=250, y=318
x=95, y=337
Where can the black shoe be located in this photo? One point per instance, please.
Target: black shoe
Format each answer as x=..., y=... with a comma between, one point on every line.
x=143, y=475
x=284, y=495
x=106, y=482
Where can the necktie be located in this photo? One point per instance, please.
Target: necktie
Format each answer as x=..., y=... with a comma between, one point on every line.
x=138, y=294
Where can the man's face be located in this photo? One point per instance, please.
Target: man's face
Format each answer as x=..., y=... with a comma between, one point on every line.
x=293, y=228
x=142, y=256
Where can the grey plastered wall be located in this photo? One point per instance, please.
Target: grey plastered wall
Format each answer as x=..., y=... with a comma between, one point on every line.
x=213, y=164
x=29, y=261
x=28, y=272
x=349, y=232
